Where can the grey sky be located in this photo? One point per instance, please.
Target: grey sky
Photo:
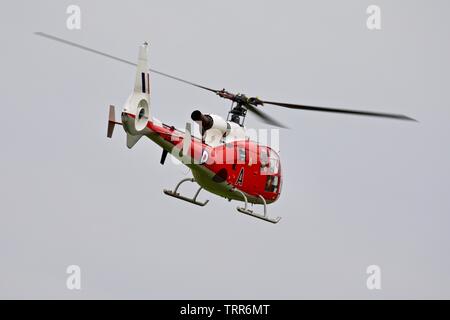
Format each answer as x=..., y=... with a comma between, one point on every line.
x=357, y=191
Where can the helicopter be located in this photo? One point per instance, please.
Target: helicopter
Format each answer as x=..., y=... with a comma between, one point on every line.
x=224, y=160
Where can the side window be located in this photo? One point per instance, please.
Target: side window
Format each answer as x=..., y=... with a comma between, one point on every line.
x=263, y=157
x=273, y=165
x=241, y=155
x=275, y=184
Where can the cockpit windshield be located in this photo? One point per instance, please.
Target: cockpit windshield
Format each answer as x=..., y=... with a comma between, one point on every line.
x=273, y=165
x=270, y=161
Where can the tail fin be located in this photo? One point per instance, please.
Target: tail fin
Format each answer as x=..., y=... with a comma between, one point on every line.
x=142, y=83
x=138, y=104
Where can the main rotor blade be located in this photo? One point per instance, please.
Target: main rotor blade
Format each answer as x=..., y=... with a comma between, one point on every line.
x=79, y=46
x=264, y=117
x=251, y=108
x=344, y=111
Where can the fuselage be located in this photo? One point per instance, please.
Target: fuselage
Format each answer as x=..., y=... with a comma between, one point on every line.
x=228, y=169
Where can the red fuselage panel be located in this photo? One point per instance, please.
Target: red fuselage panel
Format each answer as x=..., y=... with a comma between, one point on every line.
x=252, y=168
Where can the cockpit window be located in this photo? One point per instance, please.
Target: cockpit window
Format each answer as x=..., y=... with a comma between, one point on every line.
x=270, y=162
x=264, y=158
x=273, y=166
x=272, y=183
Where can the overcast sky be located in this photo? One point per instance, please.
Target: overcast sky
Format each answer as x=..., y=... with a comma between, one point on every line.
x=357, y=191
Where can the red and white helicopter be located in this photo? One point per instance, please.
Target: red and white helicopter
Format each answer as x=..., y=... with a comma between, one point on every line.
x=223, y=161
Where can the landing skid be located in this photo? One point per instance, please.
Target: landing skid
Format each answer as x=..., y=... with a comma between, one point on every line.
x=249, y=212
x=177, y=195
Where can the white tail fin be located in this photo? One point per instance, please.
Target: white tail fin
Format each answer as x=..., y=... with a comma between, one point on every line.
x=138, y=104
x=142, y=82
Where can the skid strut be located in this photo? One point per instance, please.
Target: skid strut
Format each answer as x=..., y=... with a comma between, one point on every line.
x=249, y=212
x=177, y=195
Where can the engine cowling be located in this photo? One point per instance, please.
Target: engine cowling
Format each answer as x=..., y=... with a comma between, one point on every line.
x=214, y=128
